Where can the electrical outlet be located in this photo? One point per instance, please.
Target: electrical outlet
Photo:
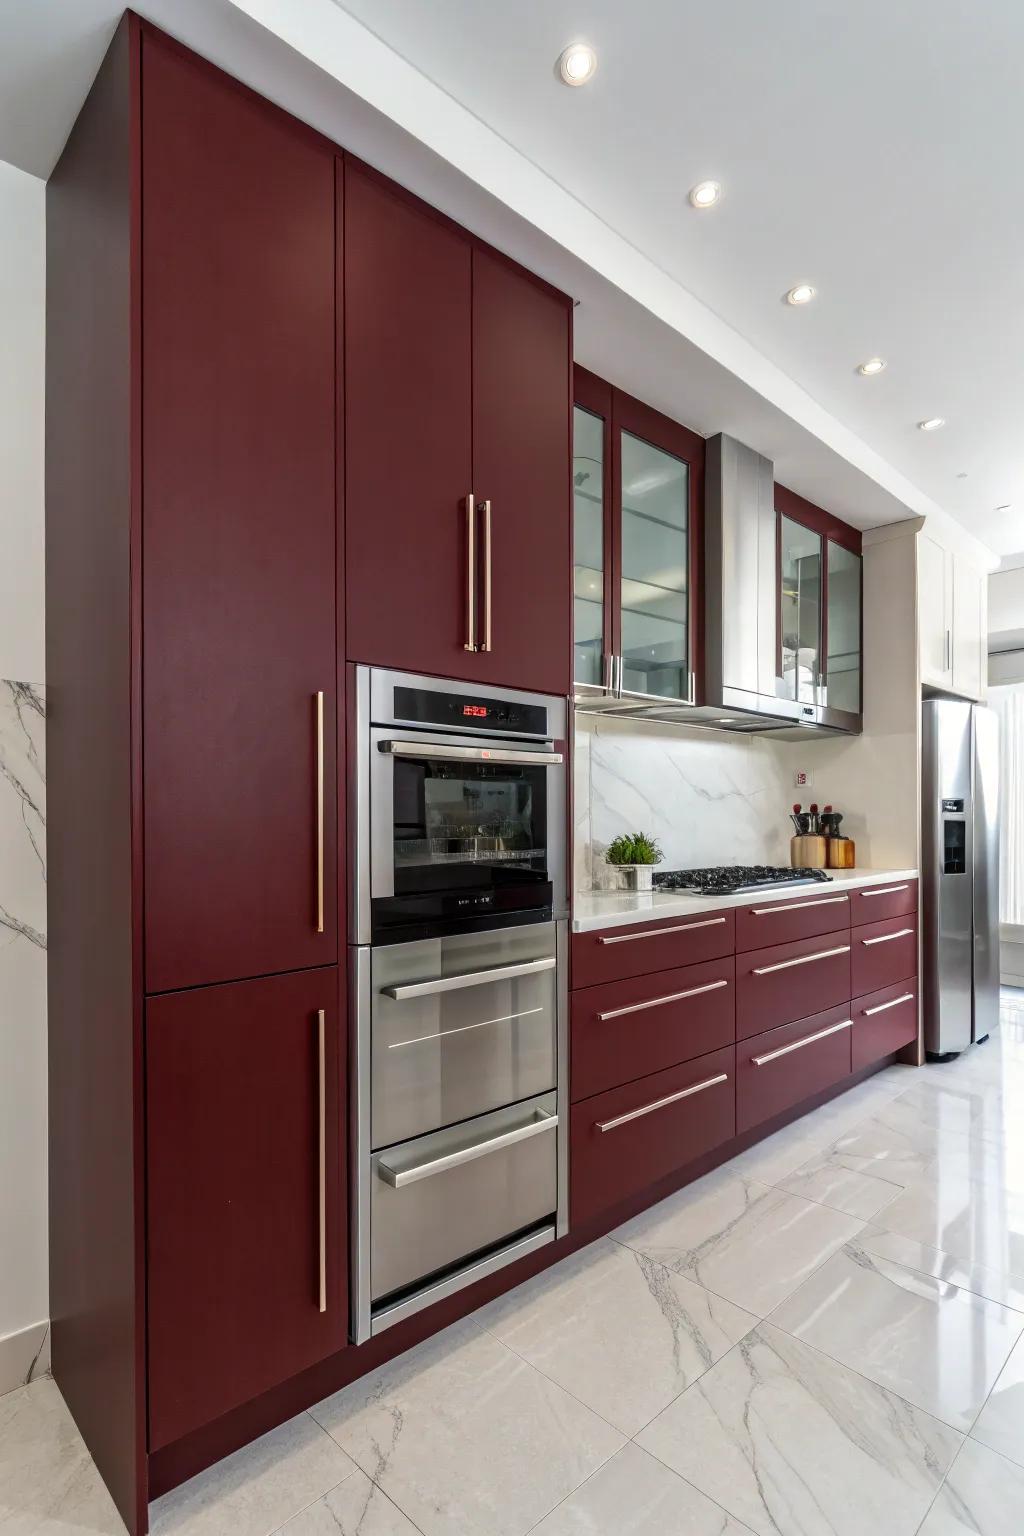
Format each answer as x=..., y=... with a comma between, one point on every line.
x=802, y=779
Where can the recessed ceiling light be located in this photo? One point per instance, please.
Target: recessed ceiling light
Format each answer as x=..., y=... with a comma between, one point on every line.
x=873, y=365
x=1007, y=506
x=962, y=474
x=803, y=293
x=577, y=64
x=705, y=194
x=932, y=424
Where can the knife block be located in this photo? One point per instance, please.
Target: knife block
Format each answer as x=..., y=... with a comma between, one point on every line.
x=808, y=852
x=842, y=853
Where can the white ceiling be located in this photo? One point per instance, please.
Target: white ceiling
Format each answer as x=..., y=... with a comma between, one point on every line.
x=870, y=149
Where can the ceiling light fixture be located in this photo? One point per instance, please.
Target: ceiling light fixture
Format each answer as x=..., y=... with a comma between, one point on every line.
x=803, y=293
x=577, y=64
x=932, y=423
x=1007, y=506
x=705, y=194
x=872, y=366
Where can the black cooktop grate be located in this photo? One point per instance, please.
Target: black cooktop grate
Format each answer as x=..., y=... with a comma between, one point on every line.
x=728, y=879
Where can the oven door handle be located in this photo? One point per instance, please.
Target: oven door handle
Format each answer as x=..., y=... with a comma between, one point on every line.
x=398, y=1178
x=403, y=990
x=498, y=755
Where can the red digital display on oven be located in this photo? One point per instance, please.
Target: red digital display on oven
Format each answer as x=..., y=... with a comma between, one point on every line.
x=477, y=711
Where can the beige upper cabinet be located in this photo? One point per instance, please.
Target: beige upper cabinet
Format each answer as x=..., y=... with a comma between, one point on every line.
x=951, y=620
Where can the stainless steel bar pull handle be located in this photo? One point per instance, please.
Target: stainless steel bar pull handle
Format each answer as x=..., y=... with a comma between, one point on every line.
x=656, y=933
x=658, y=1002
x=672, y=1098
x=401, y=991
x=486, y=646
x=885, y=890
x=786, y=965
x=398, y=1178
x=470, y=644
x=321, y=1041
x=798, y=1045
x=500, y=755
x=885, y=938
x=797, y=906
x=319, y=813
x=908, y=997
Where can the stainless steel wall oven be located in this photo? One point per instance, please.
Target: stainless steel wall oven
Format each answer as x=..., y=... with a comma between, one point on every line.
x=459, y=1072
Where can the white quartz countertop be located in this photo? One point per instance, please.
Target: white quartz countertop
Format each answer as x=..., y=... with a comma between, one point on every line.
x=615, y=909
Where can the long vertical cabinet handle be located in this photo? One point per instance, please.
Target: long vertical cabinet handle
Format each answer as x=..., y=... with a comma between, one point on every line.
x=470, y=644
x=486, y=646
x=321, y=1047
x=320, y=813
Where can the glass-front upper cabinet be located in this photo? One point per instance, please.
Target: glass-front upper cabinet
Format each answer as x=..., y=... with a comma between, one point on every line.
x=819, y=611
x=637, y=480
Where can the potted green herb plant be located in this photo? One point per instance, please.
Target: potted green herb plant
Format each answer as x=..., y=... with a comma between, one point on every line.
x=635, y=855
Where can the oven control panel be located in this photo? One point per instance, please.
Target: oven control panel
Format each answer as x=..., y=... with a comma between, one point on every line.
x=470, y=712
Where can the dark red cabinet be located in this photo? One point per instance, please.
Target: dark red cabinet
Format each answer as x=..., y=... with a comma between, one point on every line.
x=884, y=953
x=235, y=1081
x=872, y=903
x=238, y=531
x=777, y=1069
x=791, y=981
x=779, y=922
x=883, y=1022
x=637, y=948
x=457, y=386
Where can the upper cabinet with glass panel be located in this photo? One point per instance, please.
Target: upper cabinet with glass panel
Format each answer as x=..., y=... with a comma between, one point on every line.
x=819, y=611
x=637, y=479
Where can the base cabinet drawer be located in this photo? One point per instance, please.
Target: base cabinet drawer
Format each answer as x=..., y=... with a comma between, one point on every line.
x=638, y=948
x=883, y=953
x=884, y=1022
x=876, y=902
x=791, y=981
x=625, y=1140
x=782, y=1067
x=780, y=922
x=629, y=1029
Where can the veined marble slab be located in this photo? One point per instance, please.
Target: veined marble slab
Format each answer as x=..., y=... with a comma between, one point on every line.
x=22, y=815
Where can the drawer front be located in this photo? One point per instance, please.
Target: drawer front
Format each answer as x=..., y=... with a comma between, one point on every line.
x=442, y=1197
x=884, y=953
x=780, y=922
x=884, y=1022
x=875, y=902
x=627, y=1139
x=782, y=1067
x=791, y=981
x=629, y=1029
x=460, y=1026
x=618, y=953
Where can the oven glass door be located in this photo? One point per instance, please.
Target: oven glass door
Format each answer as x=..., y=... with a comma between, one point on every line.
x=460, y=838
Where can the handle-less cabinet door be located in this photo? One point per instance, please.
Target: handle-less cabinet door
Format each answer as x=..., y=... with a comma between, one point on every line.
x=238, y=533
x=246, y=1193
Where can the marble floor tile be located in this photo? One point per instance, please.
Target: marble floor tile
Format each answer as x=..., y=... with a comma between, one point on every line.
x=49, y=1485
x=569, y=1323
x=258, y=1488
x=979, y=1223
x=779, y=1155
x=939, y=1347
x=983, y=1495
x=793, y=1444
x=826, y=1179
x=466, y=1437
x=634, y=1495
x=1007, y=1289
x=746, y=1242
x=899, y=1154
x=357, y=1507
x=956, y=1104
x=1000, y=1424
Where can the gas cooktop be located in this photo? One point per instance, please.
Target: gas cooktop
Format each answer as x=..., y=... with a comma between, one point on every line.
x=728, y=879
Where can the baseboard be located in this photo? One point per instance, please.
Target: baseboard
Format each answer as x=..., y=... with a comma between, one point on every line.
x=24, y=1356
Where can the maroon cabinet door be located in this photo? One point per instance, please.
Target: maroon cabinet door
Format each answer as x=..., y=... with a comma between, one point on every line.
x=780, y=1068
x=884, y=1022
x=408, y=368
x=778, y=922
x=884, y=953
x=636, y=948
x=876, y=902
x=235, y=1078
x=522, y=423
x=238, y=510
x=791, y=981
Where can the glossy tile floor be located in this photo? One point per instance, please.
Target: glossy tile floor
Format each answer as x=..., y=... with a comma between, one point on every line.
x=823, y=1338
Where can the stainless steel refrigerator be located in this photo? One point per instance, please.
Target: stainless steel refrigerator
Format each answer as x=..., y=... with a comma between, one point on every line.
x=959, y=874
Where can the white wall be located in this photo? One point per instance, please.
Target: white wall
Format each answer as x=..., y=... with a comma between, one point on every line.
x=23, y=1202
x=1006, y=624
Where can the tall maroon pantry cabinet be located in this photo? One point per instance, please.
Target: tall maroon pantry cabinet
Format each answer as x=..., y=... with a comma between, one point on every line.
x=204, y=251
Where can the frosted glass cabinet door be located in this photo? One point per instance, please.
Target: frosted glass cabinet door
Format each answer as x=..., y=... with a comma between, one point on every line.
x=799, y=611
x=655, y=570
x=588, y=546
x=843, y=629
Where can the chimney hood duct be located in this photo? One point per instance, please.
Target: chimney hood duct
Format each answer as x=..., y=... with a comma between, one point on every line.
x=740, y=612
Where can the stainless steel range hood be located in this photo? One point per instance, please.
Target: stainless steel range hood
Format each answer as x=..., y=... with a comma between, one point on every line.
x=740, y=623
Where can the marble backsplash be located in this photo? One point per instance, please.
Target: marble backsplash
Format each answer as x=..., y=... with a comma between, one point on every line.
x=22, y=1028
x=708, y=798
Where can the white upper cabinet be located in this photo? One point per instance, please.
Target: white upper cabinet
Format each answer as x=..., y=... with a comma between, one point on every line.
x=951, y=612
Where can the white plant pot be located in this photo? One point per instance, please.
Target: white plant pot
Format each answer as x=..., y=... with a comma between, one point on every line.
x=635, y=877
